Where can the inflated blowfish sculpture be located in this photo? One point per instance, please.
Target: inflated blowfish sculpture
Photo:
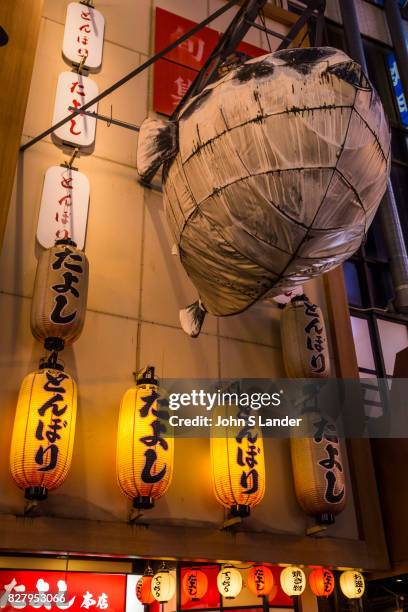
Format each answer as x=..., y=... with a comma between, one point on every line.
x=272, y=176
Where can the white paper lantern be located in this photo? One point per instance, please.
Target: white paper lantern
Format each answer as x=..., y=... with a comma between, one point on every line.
x=293, y=581
x=229, y=582
x=163, y=586
x=272, y=174
x=352, y=584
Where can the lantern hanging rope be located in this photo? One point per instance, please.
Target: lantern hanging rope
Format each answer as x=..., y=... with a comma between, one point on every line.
x=145, y=446
x=43, y=432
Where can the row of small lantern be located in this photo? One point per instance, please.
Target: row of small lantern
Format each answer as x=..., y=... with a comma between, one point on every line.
x=161, y=587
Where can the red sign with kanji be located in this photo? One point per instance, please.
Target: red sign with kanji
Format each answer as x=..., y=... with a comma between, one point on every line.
x=194, y=51
x=74, y=591
x=171, y=82
x=174, y=74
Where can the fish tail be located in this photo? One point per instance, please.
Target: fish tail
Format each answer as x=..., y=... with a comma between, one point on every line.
x=192, y=318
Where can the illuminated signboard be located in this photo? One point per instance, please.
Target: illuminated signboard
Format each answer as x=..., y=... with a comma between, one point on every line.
x=398, y=91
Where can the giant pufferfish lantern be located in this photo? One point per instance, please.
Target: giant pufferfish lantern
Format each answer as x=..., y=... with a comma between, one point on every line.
x=272, y=175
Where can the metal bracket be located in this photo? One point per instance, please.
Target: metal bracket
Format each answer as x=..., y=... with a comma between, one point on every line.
x=108, y=120
x=229, y=523
x=227, y=44
x=312, y=531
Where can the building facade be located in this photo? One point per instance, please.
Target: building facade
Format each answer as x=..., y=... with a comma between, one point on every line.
x=137, y=287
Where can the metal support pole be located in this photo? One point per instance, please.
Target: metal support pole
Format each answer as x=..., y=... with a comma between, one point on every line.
x=399, y=41
x=267, y=30
x=390, y=221
x=397, y=252
x=226, y=45
x=312, y=6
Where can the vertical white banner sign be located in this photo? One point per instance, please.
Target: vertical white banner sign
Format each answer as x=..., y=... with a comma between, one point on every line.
x=83, y=35
x=74, y=90
x=64, y=207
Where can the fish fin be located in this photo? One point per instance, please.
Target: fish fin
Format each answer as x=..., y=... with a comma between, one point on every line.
x=157, y=143
x=192, y=318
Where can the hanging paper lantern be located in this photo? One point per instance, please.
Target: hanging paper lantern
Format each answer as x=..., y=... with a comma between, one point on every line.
x=238, y=464
x=321, y=581
x=60, y=294
x=145, y=448
x=318, y=468
x=144, y=588
x=304, y=340
x=163, y=585
x=195, y=584
x=272, y=176
x=293, y=581
x=229, y=582
x=352, y=584
x=260, y=580
x=43, y=432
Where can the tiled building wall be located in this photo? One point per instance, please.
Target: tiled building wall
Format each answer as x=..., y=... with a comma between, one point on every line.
x=136, y=290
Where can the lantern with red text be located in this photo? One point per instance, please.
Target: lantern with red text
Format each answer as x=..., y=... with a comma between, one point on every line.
x=293, y=581
x=195, y=584
x=318, y=468
x=144, y=588
x=60, y=295
x=229, y=582
x=321, y=581
x=260, y=580
x=352, y=584
x=43, y=432
x=237, y=458
x=145, y=448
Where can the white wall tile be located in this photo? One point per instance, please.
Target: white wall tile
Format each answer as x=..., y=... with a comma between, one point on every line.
x=166, y=286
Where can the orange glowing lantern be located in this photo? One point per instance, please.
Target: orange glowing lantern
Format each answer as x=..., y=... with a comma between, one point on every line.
x=321, y=581
x=144, y=588
x=44, y=431
x=195, y=584
x=145, y=446
x=260, y=580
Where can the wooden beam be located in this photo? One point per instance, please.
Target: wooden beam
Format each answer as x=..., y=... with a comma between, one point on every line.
x=365, y=491
x=21, y=20
x=187, y=543
x=390, y=458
